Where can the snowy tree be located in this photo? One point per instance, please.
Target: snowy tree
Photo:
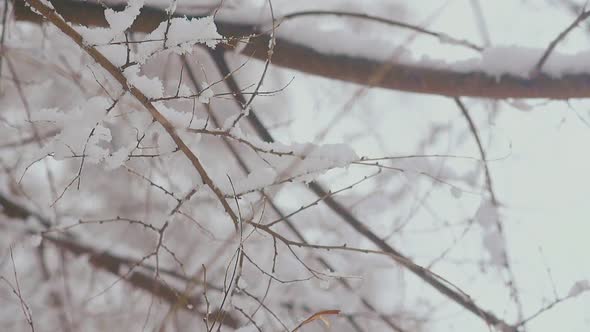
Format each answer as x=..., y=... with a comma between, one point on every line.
x=269, y=165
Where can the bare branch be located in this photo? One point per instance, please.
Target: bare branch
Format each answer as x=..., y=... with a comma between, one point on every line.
x=583, y=16
x=114, y=264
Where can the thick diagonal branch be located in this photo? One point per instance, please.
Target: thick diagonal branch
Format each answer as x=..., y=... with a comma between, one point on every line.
x=347, y=217
x=232, y=84
x=51, y=15
x=111, y=263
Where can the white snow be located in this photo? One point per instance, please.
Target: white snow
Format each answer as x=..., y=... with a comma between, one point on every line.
x=332, y=38
x=118, y=22
x=178, y=119
x=151, y=87
x=206, y=94
x=76, y=126
x=117, y=158
x=121, y=21
x=520, y=61
x=182, y=35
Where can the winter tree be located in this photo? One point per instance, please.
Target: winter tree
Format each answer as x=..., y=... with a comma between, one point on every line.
x=271, y=165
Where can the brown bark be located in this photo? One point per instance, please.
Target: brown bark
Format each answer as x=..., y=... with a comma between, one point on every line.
x=394, y=76
x=105, y=261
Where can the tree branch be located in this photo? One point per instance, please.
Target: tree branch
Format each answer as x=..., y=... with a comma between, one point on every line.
x=443, y=287
x=111, y=263
x=402, y=77
x=51, y=15
x=239, y=98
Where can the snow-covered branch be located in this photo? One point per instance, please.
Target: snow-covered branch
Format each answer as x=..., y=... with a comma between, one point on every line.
x=486, y=76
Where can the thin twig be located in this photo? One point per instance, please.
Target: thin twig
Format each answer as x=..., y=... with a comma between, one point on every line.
x=583, y=16
x=401, y=76
x=482, y=152
x=57, y=20
x=399, y=24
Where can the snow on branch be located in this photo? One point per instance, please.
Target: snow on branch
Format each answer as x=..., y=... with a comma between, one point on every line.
x=115, y=72
x=487, y=76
